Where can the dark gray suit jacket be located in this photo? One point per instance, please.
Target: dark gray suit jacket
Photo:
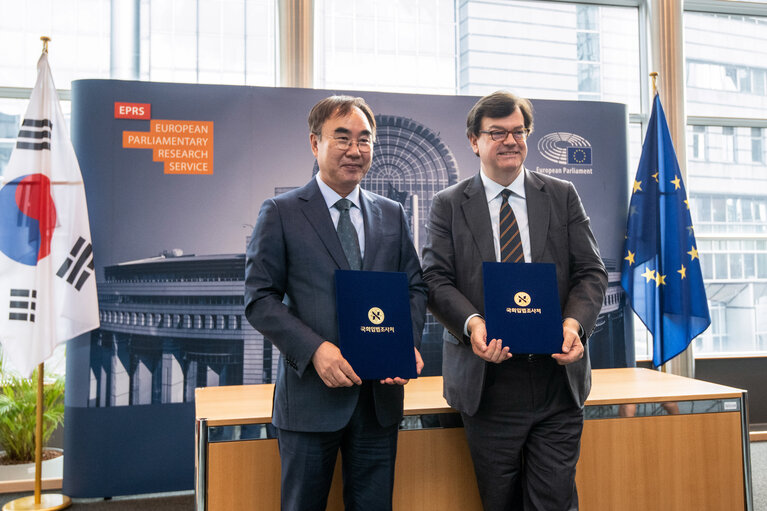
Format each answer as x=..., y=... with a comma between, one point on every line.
x=460, y=238
x=290, y=298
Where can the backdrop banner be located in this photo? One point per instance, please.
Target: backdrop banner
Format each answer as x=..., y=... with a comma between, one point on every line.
x=175, y=175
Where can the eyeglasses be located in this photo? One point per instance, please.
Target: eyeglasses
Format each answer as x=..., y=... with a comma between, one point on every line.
x=364, y=144
x=500, y=134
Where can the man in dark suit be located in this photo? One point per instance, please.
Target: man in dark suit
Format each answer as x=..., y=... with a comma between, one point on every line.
x=300, y=239
x=523, y=414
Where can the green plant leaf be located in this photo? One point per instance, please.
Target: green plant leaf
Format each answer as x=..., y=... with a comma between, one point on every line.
x=18, y=405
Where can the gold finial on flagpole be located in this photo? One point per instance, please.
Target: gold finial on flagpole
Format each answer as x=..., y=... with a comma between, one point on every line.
x=654, y=75
x=45, y=40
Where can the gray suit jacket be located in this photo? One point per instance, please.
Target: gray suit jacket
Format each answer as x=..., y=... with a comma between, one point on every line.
x=290, y=298
x=460, y=238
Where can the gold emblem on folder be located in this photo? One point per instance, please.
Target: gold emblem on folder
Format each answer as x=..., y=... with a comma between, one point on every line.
x=522, y=299
x=376, y=316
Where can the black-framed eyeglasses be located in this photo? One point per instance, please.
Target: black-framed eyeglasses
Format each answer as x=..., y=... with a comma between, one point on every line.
x=500, y=134
x=364, y=144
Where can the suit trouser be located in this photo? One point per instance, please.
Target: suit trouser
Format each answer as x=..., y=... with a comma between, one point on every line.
x=525, y=437
x=368, y=452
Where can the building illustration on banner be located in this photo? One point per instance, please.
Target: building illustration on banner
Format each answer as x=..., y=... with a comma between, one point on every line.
x=175, y=322
x=170, y=324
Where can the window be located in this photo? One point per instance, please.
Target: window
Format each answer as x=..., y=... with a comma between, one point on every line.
x=588, y=46
x=726, y=68
x=79, y=47
x=550, y=50
x=728, y=144
x=724, y=77
x=587, y=25
x=209, y=41
x=9, y=129
x=756, y=145
x=11, y=112
x=727, y=180
x=759, y=82
x=385, y=46
x=697, y=142
x=588, y=81
x=728, y=201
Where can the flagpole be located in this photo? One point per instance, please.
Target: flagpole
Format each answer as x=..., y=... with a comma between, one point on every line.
x=668, y=58
x=39, y=433
x=49, y=501
x=684, y=363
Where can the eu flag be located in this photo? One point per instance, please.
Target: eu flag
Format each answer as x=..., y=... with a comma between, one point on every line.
x=661, y=270
x=579, y=156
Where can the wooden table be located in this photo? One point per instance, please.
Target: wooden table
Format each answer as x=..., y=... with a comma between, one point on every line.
x=651, y=441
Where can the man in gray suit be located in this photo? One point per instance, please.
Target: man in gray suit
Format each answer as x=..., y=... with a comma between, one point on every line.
x=300, y=239
x=523, y=414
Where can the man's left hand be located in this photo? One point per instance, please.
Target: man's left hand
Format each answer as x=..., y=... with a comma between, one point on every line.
x=402, y=381
x=572, y=347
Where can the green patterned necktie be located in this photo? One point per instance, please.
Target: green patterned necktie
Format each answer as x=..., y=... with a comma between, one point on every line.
x=348, y=234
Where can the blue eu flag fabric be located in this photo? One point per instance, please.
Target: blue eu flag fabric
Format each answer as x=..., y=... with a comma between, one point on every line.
x=579, y=156
x=661, y=270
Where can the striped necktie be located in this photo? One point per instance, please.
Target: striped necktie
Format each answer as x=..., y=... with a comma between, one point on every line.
x=347, y=234
x=511, y=241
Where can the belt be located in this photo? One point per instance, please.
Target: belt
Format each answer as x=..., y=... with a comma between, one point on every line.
x=529, y=357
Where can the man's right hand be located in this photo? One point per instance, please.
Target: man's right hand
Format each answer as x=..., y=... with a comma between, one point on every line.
x=494, y=351
x=333, y=368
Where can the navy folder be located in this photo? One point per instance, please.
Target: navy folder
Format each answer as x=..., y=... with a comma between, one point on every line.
x=522, y=306
x=375, y=331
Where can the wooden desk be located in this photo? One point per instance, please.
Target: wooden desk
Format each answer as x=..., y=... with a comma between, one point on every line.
x=651, y=441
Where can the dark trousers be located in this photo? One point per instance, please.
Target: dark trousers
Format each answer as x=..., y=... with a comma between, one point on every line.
x=525, y=437
x=368, y=453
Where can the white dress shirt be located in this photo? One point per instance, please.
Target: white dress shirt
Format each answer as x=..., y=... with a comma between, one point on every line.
x=518, y=203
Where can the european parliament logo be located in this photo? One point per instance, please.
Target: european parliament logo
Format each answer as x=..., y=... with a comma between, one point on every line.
x=571, y=151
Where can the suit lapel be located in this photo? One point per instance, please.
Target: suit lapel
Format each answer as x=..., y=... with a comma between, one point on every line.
x=316, y=212
x=371, y=214
x=538, y=208
x=477, y=217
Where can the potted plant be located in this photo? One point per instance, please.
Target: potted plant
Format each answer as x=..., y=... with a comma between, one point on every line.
x=18, y=401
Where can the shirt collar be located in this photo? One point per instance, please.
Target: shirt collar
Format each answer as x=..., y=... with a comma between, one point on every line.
x=331, y=196
x=493, y=189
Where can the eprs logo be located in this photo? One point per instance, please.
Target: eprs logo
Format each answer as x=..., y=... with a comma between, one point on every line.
x=133, y=110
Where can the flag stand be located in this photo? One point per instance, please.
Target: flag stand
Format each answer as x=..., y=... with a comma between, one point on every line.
x=48, y=501
x=38, y=501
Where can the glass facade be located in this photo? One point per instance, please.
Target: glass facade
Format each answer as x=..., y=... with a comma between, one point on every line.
x=550, y=50
x=79, y=47
x=727, y=174
x=209, y=41
x=385, y=45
